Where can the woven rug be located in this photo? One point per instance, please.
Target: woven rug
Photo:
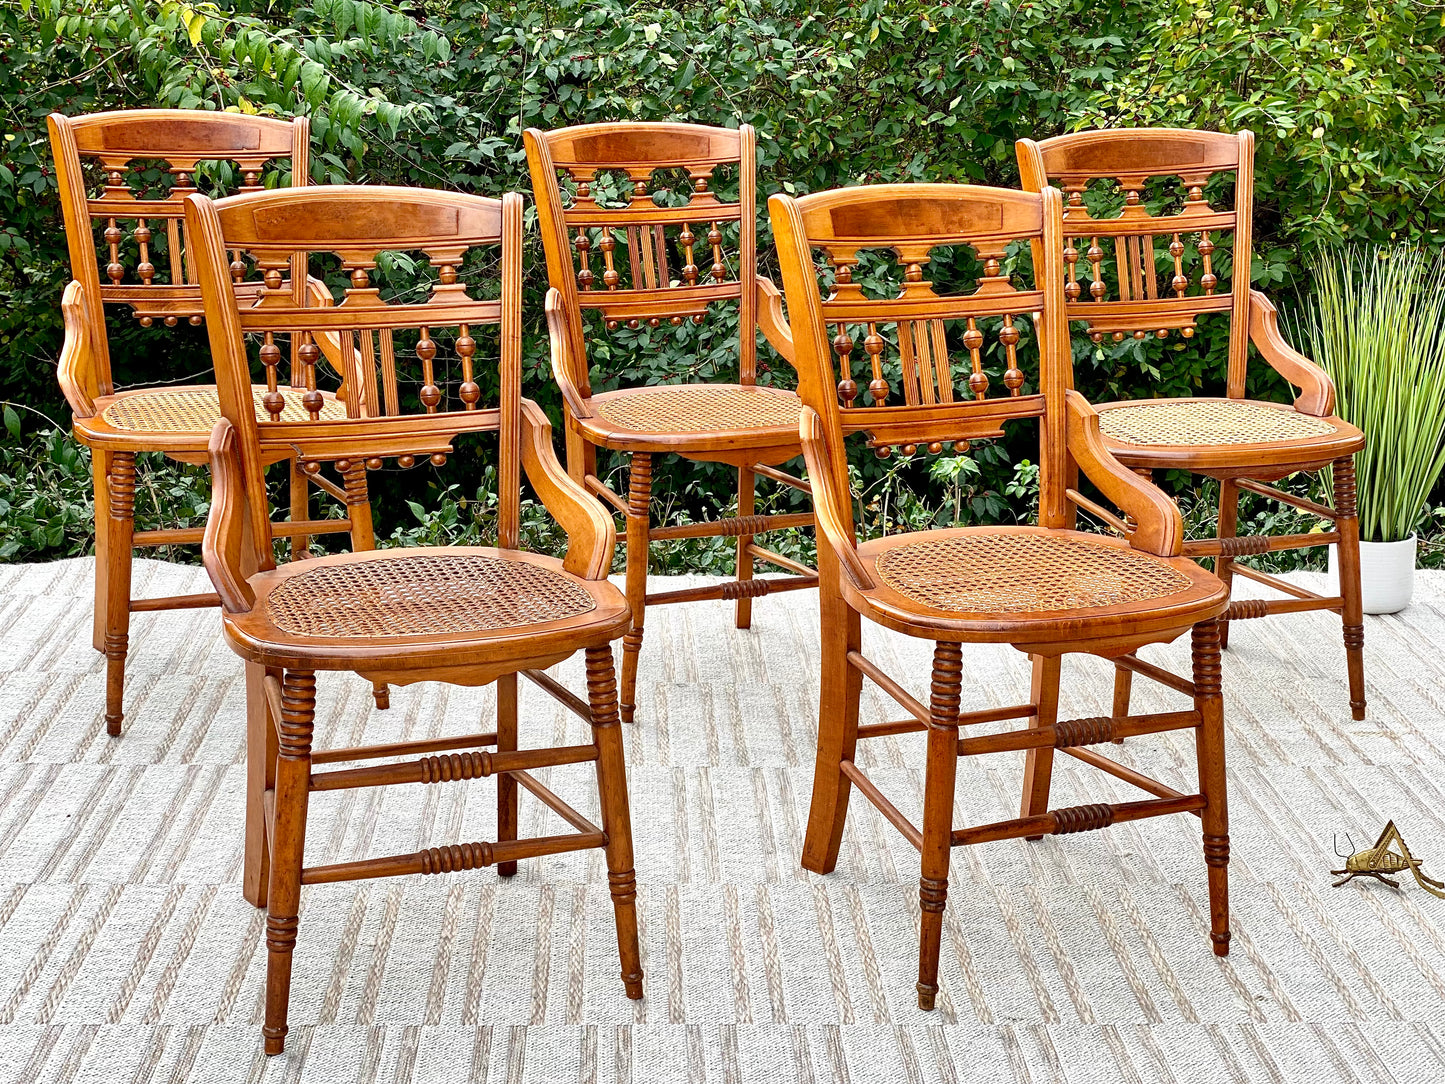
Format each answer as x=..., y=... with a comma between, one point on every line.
x=128, y=956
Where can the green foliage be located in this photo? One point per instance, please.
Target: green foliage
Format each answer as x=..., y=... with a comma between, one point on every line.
x=1346, y=98
x=1377, y=325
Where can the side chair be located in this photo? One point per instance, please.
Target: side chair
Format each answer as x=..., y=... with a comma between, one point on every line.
x=124, y=217
x=947, y=367
x=463, y=615
x=1155, y=266
x=644, y=259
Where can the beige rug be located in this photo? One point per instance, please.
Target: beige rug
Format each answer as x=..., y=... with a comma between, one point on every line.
x=127, y=955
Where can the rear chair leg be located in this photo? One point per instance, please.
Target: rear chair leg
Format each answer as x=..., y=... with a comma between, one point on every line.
x=261, y=751
x=746, y=504
x=1228, y=528
x=293, y=773
x=100, y=487
x=616, y=819
x=639, y=505
x=840, y=686
x=1209, y=702
x=1039, y=763
x=1123, y=688
x=938, y=786
x=1347, y=523
x=120, y=530
x=507, y=795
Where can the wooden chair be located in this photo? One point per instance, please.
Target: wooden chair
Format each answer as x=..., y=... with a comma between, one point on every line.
x=464, y=615
x=140, y=238
x=1047, y=590
x=1144, y=272
x=640, y=263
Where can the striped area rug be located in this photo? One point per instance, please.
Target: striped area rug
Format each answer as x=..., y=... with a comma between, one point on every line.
x=127, y=955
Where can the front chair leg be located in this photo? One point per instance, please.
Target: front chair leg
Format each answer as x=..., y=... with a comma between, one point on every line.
x=288, y=844
x=746, y=503
x=1209, y=741
x=1347, y=523
x=119, y=547
x=616, y=818
x=639, y=506
x=938, y=784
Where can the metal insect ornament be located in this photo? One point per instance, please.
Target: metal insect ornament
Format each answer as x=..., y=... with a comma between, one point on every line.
x=1388, y=855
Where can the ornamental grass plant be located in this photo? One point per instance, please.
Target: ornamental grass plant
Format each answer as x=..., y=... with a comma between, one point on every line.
x=1376, y=324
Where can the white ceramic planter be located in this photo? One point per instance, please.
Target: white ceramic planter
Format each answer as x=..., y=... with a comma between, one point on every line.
x=1387, y=574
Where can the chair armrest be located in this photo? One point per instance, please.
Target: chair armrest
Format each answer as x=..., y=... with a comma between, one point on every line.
x=591, y=535
x=771, y=320
x=827, y=500
x=1317, y=390
x=224, y=544
x=76, y=368
x=1160, y=529
x=560, y=337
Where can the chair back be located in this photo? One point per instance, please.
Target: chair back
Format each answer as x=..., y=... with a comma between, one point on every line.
x=933, y=367
x=414, y=370
x=123, y=178
x=1147, y=252
x=646, y=256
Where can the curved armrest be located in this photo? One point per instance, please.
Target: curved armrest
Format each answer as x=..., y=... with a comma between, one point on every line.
x=771, y=320
x=827, y=500
x=76, y=368
x=1317, y=390
x=561, y=340
x=1161, y=528
x=591, y=536
x=224, y=543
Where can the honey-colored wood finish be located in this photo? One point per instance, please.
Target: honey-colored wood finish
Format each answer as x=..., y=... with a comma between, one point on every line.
x=139, y=240
x=938, y=368
x=680, y=261
x=465, y=615
x=1153, y=269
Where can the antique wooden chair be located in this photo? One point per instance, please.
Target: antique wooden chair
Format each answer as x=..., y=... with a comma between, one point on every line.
x=464, y=615
x=1156, y=267
x=669, y=269
x=922, y=380
x=117, y=216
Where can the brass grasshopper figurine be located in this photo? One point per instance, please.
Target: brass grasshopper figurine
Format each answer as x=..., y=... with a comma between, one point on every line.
x=1382, y=859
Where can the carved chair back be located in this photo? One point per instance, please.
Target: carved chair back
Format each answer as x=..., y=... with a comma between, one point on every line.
x=1146, y=249
x=908, y=364
x=646, y=255
x=413, y=361
x=123, y=178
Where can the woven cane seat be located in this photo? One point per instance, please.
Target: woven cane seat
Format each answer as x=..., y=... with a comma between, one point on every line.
x=433, y=594
x=1018, y=572
x=181, y=410
x=682, y=408
x=1208, y=422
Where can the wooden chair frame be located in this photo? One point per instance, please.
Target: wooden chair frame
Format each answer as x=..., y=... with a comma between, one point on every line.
x=912, y=220
x=182, y=139
x=357, y=223
x=651, y=297
x=1132, y=157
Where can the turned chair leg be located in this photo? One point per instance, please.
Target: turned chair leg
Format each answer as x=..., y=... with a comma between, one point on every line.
x=746, y=504
x=261, y=752
x=1347, y=523
x=120, y=530
x=507, y=793
x=938, y=787
x=639, y=505
x=1209, y=702
x=1039, y=763
x=293, y=773
x=840, y=686
x=616, y=819
x=1228, y=528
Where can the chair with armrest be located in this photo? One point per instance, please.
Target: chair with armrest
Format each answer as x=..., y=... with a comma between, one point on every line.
x=464, y=615
x=940, y=367
x=1156, y=267
x=641, y=263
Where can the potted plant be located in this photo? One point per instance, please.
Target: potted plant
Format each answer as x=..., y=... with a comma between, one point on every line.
x=1376, y=324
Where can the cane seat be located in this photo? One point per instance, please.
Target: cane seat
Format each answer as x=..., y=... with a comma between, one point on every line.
x=755, y=415
x=175, y=411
